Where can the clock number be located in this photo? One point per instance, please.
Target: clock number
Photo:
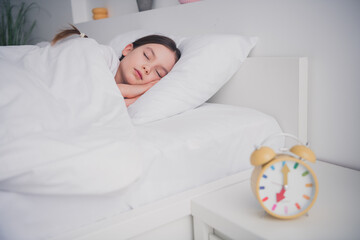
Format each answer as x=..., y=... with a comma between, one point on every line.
x=296, y=165
x=273, y=208
x=305, y=173
x=306, y=197
x=286, y=209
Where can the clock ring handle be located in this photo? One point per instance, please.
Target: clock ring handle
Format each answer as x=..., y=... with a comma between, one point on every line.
x=282, y=135
x=302, y=150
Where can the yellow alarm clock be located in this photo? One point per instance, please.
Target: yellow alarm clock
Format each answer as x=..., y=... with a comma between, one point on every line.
x=285, y=186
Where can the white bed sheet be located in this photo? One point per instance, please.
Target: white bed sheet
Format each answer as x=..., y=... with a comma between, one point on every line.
x=186, y=150
x=63, y=122
x=196, y=147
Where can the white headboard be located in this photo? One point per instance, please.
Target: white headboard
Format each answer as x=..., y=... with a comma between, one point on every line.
x=274, y=85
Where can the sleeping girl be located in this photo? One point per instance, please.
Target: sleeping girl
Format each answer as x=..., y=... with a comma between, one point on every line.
x=142, y=64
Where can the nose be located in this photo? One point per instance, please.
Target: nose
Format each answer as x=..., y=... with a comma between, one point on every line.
x=147, y=69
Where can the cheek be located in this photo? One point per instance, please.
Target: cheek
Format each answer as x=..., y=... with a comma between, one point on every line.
x=124, y=73
x=155, y=76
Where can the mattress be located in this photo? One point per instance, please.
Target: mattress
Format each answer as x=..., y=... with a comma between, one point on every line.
x=187, y=150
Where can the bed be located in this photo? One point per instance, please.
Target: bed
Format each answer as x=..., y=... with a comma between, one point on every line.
x=188, y=154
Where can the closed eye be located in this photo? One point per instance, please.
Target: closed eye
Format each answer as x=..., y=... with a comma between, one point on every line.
x=146, y=56
x=158, y=74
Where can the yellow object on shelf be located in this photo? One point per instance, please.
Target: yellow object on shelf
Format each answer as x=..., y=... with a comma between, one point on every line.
x=100, y=16
x=100, y=13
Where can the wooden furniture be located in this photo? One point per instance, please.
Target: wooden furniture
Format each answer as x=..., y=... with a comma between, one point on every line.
x=234, y=213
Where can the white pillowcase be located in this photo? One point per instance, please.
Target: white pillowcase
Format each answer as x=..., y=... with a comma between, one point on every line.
x=207, y=62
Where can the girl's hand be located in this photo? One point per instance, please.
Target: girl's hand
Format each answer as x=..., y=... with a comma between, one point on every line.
x=132, y=92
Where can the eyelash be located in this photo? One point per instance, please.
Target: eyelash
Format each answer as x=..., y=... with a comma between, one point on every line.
x=158, y=74
x=156, y=70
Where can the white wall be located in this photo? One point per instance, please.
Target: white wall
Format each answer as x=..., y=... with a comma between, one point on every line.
x=326, y=31
x=51, y=16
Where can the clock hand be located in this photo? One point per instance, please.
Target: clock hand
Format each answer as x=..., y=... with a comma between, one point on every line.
x=281, y=195
x=285, y=170
x=276, y=183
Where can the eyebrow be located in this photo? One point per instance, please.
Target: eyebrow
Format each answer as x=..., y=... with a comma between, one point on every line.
x=153, y=53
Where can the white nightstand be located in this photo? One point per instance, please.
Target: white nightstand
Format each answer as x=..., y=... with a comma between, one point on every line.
x=234, y=213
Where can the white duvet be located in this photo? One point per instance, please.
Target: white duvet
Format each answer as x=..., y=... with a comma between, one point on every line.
x=64, y=126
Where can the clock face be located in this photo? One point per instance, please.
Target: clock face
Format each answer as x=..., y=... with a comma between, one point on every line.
x=287, y=187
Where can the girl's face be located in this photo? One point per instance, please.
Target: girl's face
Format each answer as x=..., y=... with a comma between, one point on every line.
x=144, y=64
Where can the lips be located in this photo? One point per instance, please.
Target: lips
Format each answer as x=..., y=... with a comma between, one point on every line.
x=138, y=74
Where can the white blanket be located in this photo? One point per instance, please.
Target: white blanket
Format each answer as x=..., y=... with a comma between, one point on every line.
x=64, y=126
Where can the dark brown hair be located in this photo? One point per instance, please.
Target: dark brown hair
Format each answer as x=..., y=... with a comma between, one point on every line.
x=158, y=39
x=66, y=33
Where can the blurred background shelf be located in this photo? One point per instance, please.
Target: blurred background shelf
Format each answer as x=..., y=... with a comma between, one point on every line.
x=81, y=9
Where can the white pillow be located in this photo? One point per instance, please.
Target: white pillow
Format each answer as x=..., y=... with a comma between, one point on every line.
x=207, y=62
